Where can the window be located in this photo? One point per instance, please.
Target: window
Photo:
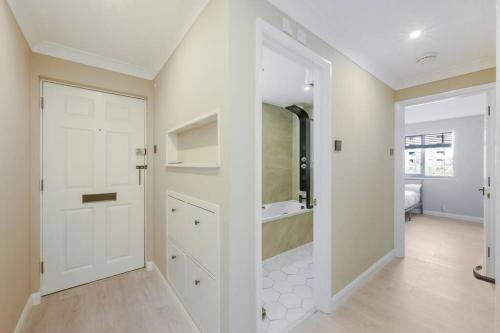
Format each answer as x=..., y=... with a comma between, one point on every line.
x=429, y=155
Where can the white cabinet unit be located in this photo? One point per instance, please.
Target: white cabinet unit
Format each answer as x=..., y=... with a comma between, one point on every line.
x=193, y=257
x=176, y=269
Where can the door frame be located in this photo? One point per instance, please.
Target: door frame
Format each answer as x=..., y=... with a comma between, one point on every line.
x=399, y=175
x=270, y=37
x=43, y=80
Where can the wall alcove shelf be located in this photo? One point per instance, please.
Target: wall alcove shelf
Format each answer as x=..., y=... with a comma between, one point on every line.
x=194, y=144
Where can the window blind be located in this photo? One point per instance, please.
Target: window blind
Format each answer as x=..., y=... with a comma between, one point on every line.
x=438, y=140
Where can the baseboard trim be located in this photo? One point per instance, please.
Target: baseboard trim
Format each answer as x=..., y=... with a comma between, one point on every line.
x=454, y=216
x=149, y=266
x=33, y=299
x=348, y=290
x=172, y=292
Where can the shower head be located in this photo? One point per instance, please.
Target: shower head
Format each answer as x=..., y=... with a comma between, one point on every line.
x=300, y=112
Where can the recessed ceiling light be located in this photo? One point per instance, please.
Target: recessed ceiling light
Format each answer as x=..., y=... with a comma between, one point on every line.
x=415, y=34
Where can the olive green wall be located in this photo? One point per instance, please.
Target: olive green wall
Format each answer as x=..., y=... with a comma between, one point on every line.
x=286, y=234
x=277, y=148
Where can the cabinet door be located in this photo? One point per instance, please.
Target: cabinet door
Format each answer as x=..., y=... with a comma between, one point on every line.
x=202, y=298
x=204, y=245
x=176, y=269
x=176, y=221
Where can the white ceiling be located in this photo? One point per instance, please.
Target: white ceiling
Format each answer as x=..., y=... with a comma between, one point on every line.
x=457, y=107
x=283, y=81
x=375, y=34
x=127, y=36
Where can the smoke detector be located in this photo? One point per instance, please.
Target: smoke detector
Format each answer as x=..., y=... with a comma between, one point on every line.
x=426, y=58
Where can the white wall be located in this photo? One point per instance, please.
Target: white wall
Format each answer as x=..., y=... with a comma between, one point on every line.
x=458, y=194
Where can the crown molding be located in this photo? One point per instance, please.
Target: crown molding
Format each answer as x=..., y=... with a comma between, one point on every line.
x=91, y=59
x=447, y=73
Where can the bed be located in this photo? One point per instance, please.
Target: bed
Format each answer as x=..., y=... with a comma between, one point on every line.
x=413, y=199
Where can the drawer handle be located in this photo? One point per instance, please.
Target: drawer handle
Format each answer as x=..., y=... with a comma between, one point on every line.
x=196, y=222
x=173, y=257
x=197, y=282
x=173, y=210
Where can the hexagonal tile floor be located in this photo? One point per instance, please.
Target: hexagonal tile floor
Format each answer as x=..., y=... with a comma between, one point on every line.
x=287, y=295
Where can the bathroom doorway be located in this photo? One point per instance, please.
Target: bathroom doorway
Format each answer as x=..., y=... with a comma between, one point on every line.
x=293, y=182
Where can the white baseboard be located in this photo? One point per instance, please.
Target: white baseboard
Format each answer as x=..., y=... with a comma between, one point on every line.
x=348, y=290
x=33, y=299
x=149, y=266
x=172, y=292
x=454, y=216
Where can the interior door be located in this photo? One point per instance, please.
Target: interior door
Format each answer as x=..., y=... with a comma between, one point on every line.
x=93, y=198
x=489, y=190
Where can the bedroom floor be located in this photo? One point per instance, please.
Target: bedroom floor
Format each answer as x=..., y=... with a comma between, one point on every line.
x=431, y=290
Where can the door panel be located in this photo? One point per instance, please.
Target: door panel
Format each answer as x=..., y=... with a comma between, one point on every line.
x=79, y=159
x=78, y=239
x=118, y=232
x=89, y=147
x=118, y=162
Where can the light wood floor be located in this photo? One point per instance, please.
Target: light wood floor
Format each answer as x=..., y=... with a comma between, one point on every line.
x=431, y=290
x=134, y=302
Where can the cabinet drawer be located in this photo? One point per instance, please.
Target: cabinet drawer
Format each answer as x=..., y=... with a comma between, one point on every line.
x=177, y=221
x=203, y=237
x=176, y=269
x=202, y=298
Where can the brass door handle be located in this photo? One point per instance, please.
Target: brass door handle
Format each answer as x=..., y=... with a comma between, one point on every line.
x=139, y=168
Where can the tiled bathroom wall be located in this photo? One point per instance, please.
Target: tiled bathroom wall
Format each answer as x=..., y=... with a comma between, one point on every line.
x=286, y=234
x=277, y=148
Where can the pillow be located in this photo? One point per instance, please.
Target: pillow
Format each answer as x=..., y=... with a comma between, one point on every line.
x=413, y=187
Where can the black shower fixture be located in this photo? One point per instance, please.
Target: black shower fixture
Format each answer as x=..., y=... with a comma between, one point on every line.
x=304, y=152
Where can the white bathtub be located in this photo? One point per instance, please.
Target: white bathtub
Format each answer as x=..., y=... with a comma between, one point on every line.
x=278, y=210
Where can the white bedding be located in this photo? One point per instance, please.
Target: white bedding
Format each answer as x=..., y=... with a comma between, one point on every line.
x=411, y=198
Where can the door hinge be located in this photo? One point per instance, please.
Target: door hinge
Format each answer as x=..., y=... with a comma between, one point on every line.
x=41, y=267
x=155, y=149
x=489, y=110
x=489, y=181
x=489, y=252
x=42, y=102
x=41, y=185
x=315, y=202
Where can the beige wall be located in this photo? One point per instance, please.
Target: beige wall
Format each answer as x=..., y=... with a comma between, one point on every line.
x=363, y=107
x=277, y=150
x=454, y=83
x=14, y=177
x=193, y=82
x=65, y=71
x=286, y=234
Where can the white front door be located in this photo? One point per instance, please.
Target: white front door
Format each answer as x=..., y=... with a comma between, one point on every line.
x=93, y=195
